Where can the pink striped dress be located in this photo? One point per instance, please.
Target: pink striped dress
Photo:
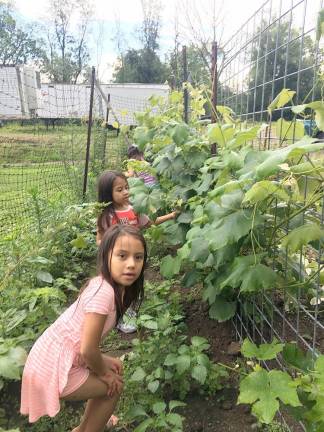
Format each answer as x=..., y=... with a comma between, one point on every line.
x=54, y=367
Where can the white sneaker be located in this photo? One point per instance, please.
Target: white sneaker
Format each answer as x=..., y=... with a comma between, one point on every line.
x=127, y=324
x=126, y=327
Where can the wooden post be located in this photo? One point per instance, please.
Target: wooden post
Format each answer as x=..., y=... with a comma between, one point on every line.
x=86, y=166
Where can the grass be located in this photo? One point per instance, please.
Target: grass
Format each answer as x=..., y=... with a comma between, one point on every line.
x=43, y=164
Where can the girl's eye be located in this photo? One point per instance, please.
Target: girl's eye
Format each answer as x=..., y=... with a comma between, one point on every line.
x=122, y=255
x=139, y=257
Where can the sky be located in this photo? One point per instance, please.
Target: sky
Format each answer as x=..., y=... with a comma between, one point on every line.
x=230, y=15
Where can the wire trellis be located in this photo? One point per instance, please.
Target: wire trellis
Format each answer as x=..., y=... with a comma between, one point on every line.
x=275, y=49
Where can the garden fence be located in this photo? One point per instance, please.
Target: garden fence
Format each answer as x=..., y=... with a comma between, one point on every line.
x=275, y=49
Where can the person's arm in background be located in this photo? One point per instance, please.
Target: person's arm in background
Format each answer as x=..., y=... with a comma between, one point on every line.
x=145, y=222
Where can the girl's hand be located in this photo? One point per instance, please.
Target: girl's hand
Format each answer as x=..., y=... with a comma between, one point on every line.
x=114, y=383
x=115, y=364
x=175, y=213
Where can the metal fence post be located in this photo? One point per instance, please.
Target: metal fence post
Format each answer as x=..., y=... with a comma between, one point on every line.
x=185, y=90
x=214, y=92
x=86, y=166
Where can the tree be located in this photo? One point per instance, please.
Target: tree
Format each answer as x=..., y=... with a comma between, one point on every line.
x=17, y=43
x=274, y=67
x=68, y=51
x=144, y=65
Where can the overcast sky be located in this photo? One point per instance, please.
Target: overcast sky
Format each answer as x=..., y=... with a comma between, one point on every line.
x=232, y=14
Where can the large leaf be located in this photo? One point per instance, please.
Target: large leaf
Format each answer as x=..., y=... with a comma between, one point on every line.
x=265, y=389
x=180, y=133
x=199, y=250
x=199, y=373
x=222, y=310
x=318, y=107
x=261, y=190
x=276, y=158
x=138, y=375
x=8, y=368
x=281, y=99
x=263, y=351
x=220, y=134
x=183, y=363
x=44, y=276
x=238, y=269
x=290, y=130
x=295, y=357
x=170, y=266
x=233, y=227
x=259, y=277
x=301, y=236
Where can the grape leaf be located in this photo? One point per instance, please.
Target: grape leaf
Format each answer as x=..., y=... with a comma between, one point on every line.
x=170, y=266
x=222, y=310
x=263, y=352
x=265, y=389
x=302, y=235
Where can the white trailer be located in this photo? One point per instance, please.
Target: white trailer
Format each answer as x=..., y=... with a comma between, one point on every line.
x=127, y=99
x=19, y=92
x=22, y=96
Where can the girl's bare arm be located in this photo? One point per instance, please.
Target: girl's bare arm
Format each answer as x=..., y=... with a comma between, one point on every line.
x=165, y=218
x=90, y=340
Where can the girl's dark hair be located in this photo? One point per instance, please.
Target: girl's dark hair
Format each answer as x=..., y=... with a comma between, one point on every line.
x=105, y=192
x=134, y=294
x=134, y=152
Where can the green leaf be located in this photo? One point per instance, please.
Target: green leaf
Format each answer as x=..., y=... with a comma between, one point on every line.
x=281, y=99
x=222, y=310
x=153, y=386
x=320, y=25
x=199, y=250
x=152, y=325
x=144, y=425
x=199, y=373
x=183, y=363
x=271, y=165
x=138, y=375
x=8, y=368
x=318, y=107
x=175, y=419
x=265, y=389
x=44, y=276
x=263, y=352
x=80, y=242
x=159, y=407
x=289, y=130
x=170, y=266
x=136, y=411
x=259, y=277
x=261, y=190
x=142, y=136
x=301, y=236
x=17, y=355
x=295, y=357
x=233, y=227
x=180, y=133
x=170, y=359
x=198, y=341
x=174, y=404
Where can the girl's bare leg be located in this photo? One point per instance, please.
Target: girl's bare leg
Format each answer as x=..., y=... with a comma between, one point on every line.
x=99, y=407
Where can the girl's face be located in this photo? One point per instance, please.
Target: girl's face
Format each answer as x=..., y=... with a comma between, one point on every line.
x=120, y=193
x=126, y=260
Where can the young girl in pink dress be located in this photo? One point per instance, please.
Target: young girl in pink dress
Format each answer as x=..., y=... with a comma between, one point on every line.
x=66, y=362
